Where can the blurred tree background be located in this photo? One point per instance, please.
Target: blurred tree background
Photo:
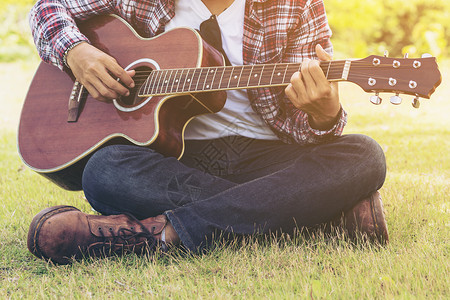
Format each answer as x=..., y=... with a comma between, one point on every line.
x=361, y=28
x=15, y=37
x=364, y=27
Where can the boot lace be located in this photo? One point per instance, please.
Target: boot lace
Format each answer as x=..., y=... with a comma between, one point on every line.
x=126, y=240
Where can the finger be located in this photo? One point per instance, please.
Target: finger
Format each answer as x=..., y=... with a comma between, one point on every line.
x=322, y=54
x=290, y=92
x=322, y=83
x=101, y=86
x=115, y=86
x=131, y=73
x=298, y=88
x=111, y=80
x=124, y=76
x=307, y=78
x=94, y=92
x=315, y=71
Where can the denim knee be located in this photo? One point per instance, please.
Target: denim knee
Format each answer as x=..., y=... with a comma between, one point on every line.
x=101, y=177
x=94, y=168
x=374, y=160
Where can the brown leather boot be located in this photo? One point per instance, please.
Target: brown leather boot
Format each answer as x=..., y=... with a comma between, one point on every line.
x=366, y=219
x=61, y=233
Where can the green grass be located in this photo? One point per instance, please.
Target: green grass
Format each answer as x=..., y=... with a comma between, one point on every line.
x=415, y=265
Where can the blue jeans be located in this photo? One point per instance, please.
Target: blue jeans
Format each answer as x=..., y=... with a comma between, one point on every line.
x=236, y=184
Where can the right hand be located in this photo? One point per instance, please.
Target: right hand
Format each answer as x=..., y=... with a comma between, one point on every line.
x=95, y=70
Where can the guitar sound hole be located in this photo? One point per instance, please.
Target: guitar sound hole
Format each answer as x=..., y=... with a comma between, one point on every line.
x=142, y=72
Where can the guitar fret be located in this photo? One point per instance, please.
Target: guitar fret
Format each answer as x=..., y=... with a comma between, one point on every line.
x=250, y=76
x=178, y=80
x=291, y=69
x=161, y=83
x=148, y=83
x=214, y=77
x=285, y=71
x=143, y=88
x=155, y=82
x=261, y=75
x=273, y=72
x=255, y=76
x=328, y=69
x=168, y=82
x=150, y=87
x=240, y=76
x=278, y=72
x=198, y=79
x=191, y=80
x=174, y=82
x=160, y=79
x=225, y=81
x=231, y=76
x=336, y=72
x=203, y=78
x=185, y=79
x=221, y=77
x=205, y=86
x=204, y=81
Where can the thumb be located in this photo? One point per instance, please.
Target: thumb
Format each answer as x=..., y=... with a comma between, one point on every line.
x=322, y=54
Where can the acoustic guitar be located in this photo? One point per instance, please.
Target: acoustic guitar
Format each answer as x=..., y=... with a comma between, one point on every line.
x=178, y=77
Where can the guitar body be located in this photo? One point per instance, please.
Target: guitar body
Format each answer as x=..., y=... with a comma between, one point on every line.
x=59, y=150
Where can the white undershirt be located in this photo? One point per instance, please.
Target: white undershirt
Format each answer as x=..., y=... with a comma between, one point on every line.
x=237, y=117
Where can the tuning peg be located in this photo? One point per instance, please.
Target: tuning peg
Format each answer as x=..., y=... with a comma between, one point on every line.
x=406, y=55
x=376, y=99
x=386, y=53
x=426, y=55
x=396, y=99
x=415, y=102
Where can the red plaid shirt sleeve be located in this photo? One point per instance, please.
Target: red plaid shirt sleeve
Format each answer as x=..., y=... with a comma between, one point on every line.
x=292, y=30
x=54, y=28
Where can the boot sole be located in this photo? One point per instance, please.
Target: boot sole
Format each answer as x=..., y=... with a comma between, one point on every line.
x=37, y=223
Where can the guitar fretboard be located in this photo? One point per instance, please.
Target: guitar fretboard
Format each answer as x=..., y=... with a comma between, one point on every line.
x=191, y=80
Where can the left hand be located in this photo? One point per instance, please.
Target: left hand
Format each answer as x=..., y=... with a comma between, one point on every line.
x=311, y=92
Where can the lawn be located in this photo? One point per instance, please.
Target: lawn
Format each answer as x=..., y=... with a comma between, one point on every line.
x=415, y=265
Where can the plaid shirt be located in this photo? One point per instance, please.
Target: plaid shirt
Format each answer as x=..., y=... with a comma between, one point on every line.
x=274, y=31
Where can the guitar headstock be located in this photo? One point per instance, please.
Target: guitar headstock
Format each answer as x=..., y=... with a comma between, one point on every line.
x=412, y=76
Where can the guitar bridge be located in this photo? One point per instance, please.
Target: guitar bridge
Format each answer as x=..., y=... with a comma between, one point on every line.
x=74, y=102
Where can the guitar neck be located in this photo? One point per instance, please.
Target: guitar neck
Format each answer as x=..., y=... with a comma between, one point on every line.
x=191, y=80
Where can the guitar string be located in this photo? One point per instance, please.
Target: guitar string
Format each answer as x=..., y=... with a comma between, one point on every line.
x=334, y=64
x=322, y=63
x=335, y=68
x=361, y=76
x=333, y=71
x=143, y=74
x=337, y=75
x=390, y=88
